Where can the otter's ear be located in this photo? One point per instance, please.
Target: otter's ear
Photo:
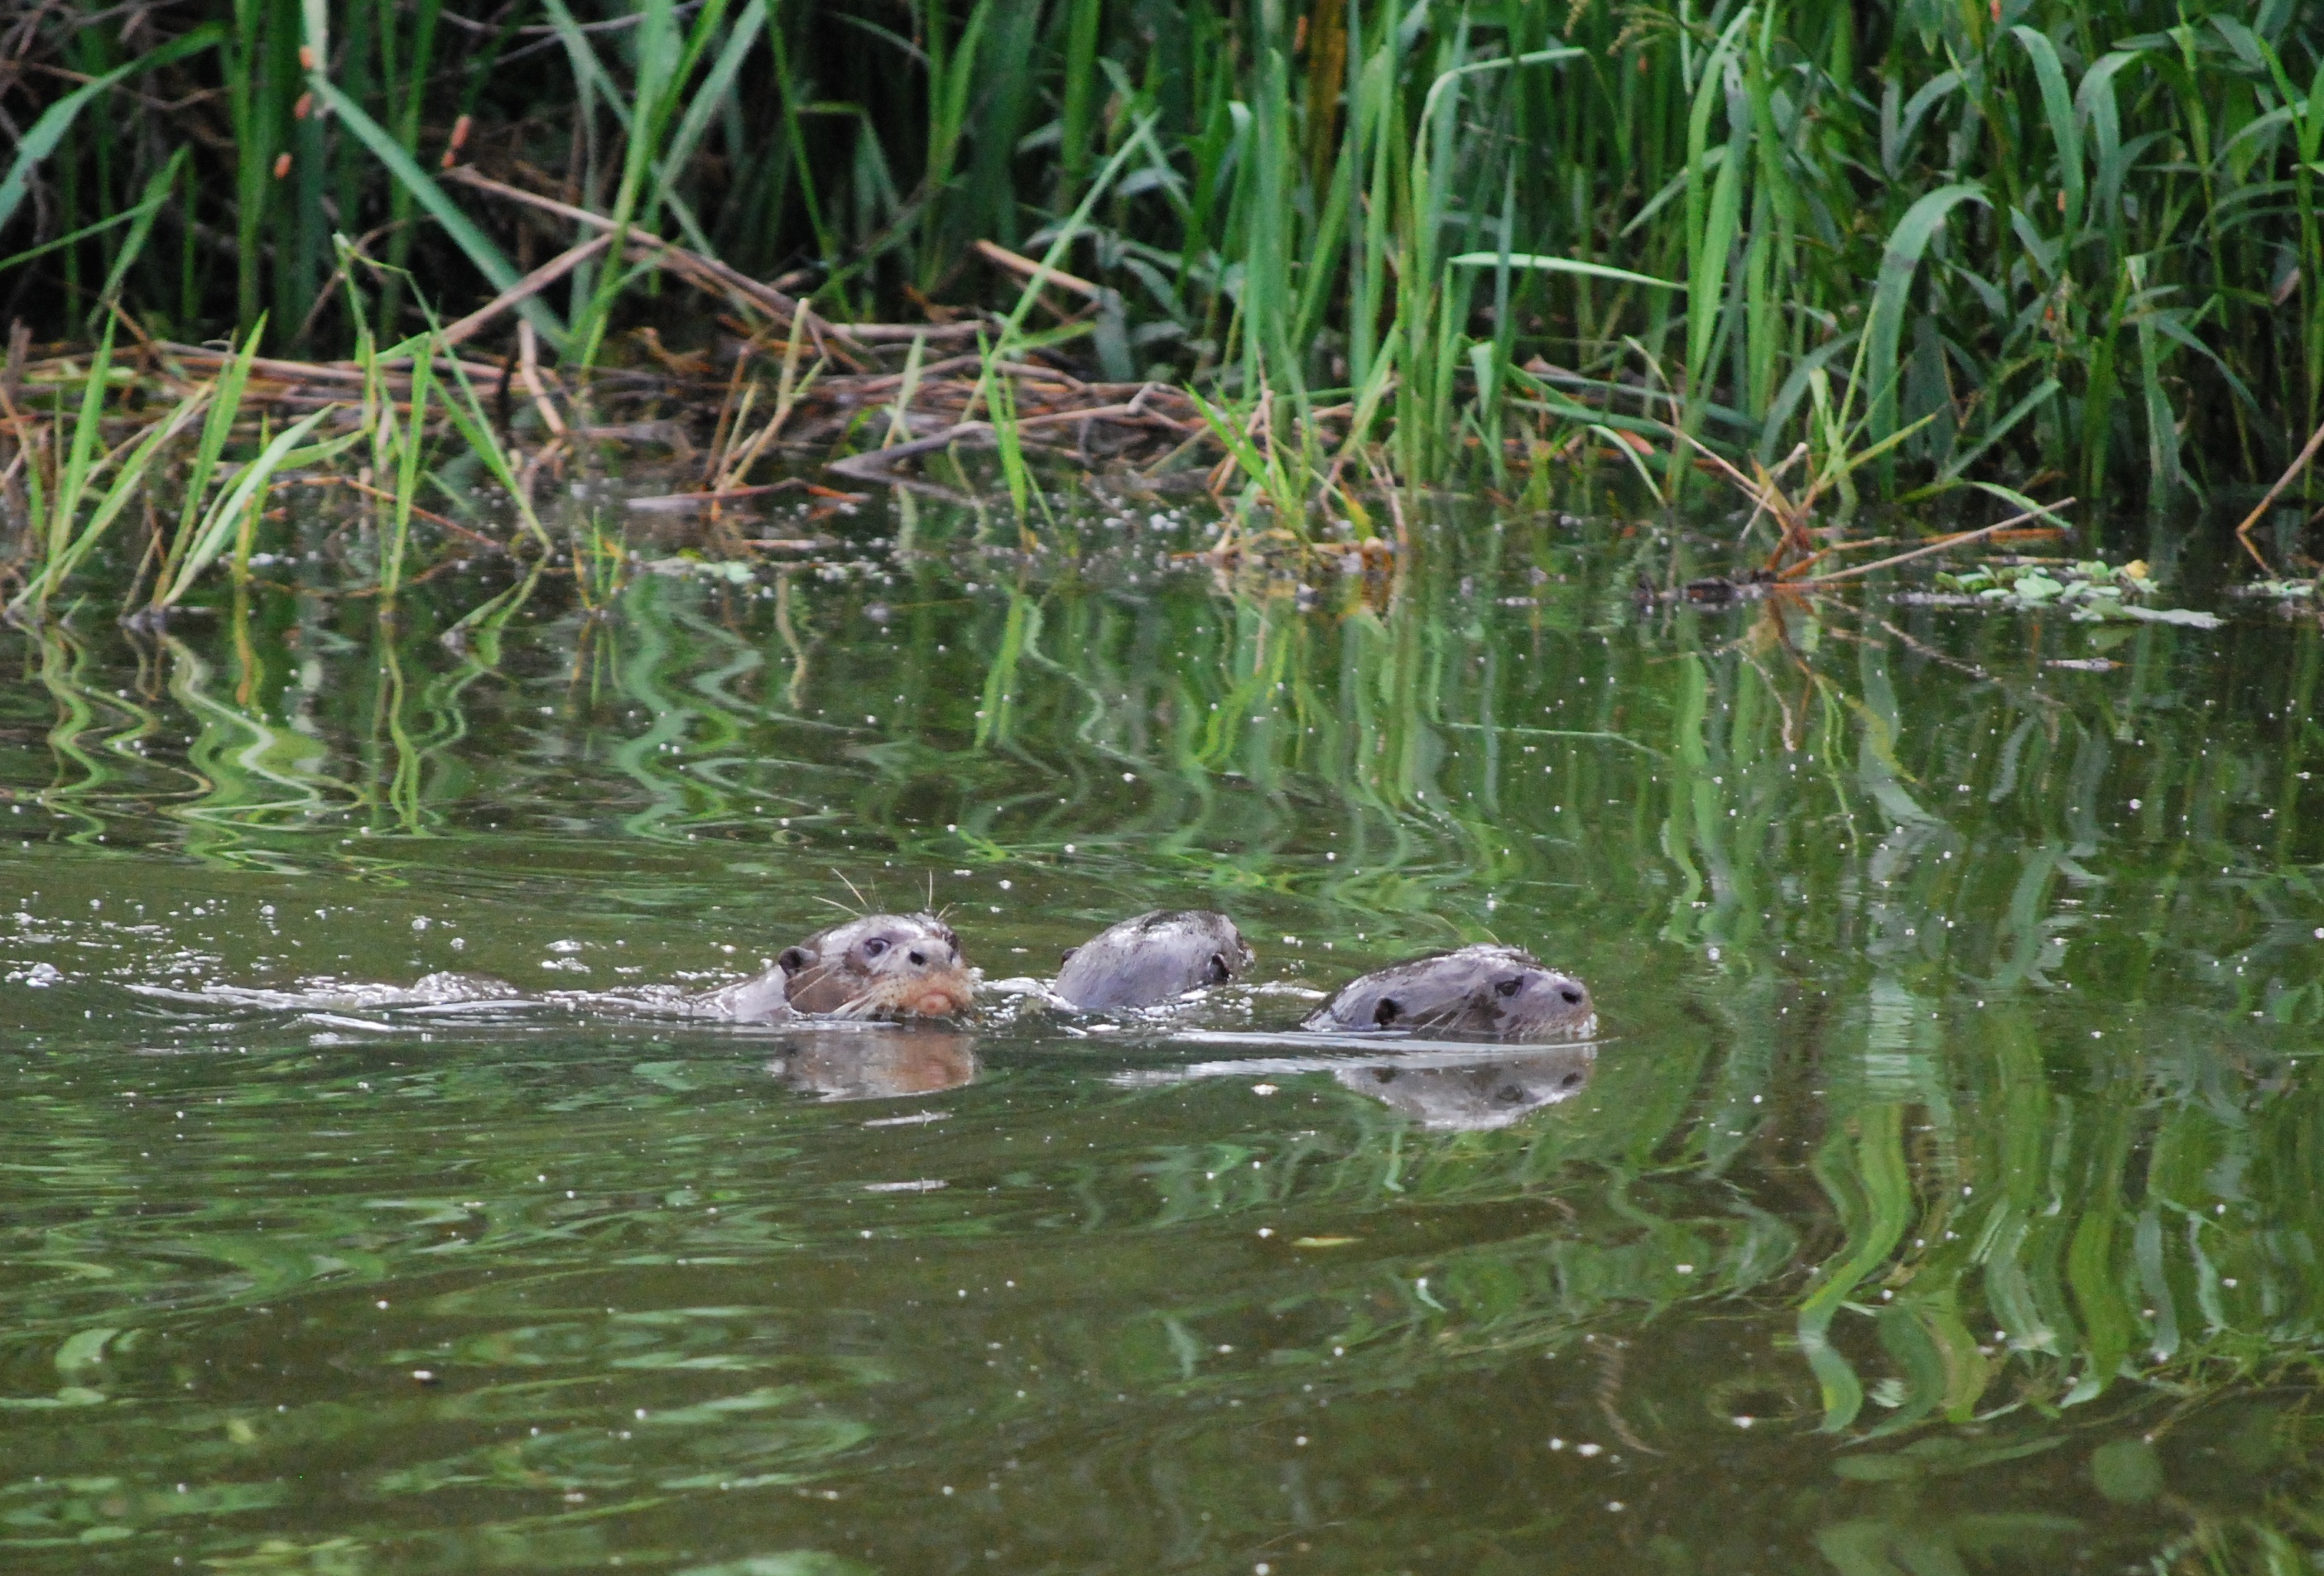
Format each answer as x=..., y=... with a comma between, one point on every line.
x=793, y=960
x=1066, y=956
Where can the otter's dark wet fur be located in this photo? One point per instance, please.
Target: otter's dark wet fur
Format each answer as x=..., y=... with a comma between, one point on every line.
x=1152, y=959
x=1497, y=992
x=876, y=965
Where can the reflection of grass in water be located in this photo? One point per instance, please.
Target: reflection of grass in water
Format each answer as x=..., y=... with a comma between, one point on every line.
x=107, y=760
x=641, y=674
x=2049, y=1224
x=1849, y=1146
x=2043, y=1217
x=260, y=773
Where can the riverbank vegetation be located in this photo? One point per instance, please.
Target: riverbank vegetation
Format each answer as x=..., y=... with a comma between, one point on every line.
x=1876, y=253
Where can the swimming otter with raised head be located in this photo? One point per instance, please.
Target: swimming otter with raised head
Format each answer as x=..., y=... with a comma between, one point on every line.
x=1501, y=992
x=1152, y=959
x=879, y=965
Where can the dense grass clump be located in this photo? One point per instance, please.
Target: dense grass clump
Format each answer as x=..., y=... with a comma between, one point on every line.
x=2026, y=241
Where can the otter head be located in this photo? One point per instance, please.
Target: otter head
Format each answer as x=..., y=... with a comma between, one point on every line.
x=1533, y=1002
x=1501, y=992
x=1148, y=960
x=883, y=965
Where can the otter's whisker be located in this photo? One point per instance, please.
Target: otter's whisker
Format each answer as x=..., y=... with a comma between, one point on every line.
x=860, y=898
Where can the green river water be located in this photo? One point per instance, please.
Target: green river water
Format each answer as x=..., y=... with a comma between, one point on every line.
x=1944, y=1195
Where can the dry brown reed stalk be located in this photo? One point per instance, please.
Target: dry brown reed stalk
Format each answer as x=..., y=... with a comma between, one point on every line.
x=714, y=277
x=1942, y=544
x=787, y=390
x=874, y=464
x=2291, y=474
x=694, y=502
x=813, y=405
x=528, y=373
x=706, y=272
x=524, y=289
x=1024, y=267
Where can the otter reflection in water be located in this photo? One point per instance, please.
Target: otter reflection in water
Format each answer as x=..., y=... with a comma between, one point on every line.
x=882, y=1062
x=879, y=965
x=1480, y=1096
x=1442, y=1085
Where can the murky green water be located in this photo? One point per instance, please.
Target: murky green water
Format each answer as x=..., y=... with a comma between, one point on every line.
x=1946, y=1195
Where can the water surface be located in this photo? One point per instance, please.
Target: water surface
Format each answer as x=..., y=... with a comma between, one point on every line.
x=1944, y=1194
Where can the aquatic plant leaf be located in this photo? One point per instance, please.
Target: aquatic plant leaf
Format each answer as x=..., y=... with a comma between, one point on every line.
x=1899, y=264
x=215, y=532
x=41, y=139
x=1558, y=265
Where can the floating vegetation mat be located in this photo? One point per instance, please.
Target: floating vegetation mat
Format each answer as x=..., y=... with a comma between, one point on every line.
x=2087, y=592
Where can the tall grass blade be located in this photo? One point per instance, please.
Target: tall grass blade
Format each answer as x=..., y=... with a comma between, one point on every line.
x=238, y=501
x=42, y=139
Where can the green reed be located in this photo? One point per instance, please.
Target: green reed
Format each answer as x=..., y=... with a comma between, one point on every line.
x=2033, y=240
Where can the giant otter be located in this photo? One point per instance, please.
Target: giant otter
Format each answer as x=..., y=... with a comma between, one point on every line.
x=1501, y=992
x=1151, y=958
x=880, y=965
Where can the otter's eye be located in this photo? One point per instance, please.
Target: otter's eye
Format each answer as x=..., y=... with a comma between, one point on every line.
x=1510, y=986
x=1572, y=994
x=1385, y=1013
x=874, y=947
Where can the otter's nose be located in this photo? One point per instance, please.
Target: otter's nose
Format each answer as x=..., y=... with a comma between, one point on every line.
x=1572, y=994
x=919, y=959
